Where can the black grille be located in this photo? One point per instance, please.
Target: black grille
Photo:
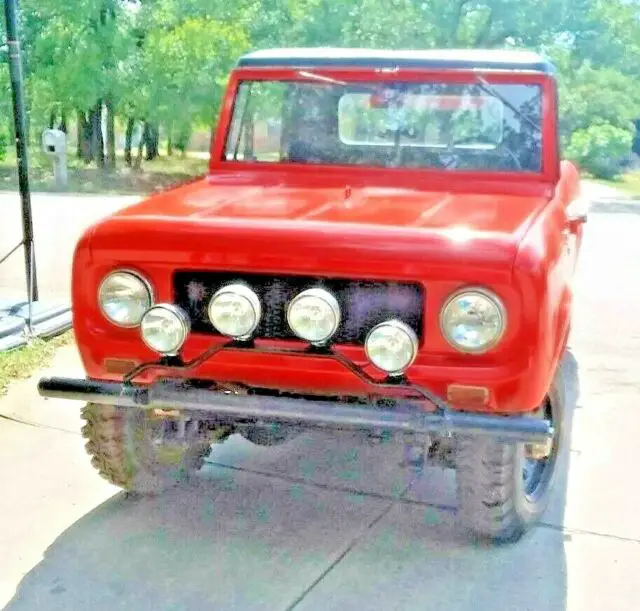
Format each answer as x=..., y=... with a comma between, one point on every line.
x=363, y=304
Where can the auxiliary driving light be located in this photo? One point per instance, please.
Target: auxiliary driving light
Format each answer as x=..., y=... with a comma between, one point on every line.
x=473, y=320
x=164, y=328
x=235, y=311
x=314, y=315
x=392, y=346
x=124, y=297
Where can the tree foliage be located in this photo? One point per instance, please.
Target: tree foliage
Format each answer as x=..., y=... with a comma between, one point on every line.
x=164, y=63
x=600, y=149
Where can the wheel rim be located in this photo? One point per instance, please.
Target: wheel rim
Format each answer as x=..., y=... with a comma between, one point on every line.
x=536, y=472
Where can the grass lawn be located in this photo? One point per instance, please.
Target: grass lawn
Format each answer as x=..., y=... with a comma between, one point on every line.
x=628, y=183
x=153, y=175
x=23, y=362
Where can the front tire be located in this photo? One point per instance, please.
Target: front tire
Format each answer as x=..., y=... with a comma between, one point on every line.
x=124, y=448
x=501, y=492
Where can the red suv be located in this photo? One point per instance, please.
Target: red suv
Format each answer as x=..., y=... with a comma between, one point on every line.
x=384, y=241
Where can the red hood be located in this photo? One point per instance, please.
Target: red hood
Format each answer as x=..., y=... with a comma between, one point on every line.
x=378, y=206
x=365, y=232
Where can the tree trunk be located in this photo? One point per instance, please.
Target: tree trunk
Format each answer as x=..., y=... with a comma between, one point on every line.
x=145, y=139
x=111, y=134
x=138, y=161
x=92, y=134
x=63, y=121
x=182, y=141
x=131, y=123
x=84, y=137
x=156, y=141
x=150, y=137
x=79, y=130
x=97, y=144
x=52, y=119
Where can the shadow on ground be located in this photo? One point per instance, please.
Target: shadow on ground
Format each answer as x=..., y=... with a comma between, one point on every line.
x=330, y=527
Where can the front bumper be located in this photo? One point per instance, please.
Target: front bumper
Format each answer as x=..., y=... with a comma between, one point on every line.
x=406, y=416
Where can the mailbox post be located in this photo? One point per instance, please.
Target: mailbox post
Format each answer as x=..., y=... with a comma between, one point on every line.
x=54, y=145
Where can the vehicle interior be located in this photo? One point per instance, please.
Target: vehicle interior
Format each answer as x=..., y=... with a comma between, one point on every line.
x=435, y=125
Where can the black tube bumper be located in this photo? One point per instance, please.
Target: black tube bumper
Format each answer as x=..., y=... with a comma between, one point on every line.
x=407, y=416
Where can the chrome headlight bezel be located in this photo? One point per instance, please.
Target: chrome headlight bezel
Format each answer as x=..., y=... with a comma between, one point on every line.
x=145, y=285
x=411, y=335
x=180, y=317
x=242, y=291
x=486, y=294
x=327, y=299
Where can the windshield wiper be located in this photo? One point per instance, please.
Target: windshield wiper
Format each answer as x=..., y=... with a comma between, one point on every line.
x=487, y=88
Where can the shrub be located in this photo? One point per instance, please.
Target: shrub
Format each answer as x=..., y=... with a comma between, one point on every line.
x=600, y=149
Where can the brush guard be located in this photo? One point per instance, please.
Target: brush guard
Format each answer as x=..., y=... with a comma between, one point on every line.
x=406, y=415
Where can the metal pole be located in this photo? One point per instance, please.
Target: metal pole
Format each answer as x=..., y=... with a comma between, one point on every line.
x=17, y=86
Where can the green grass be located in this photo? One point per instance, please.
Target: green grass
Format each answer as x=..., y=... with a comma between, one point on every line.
x=23, y=362
x=153, y=175
x=628, y=183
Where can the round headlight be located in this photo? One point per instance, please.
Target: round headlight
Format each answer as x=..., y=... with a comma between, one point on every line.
x=473, y=320
x=235, y=311
x=392, y=346
x=124, y=297
x=164, y=328
x=314, y=315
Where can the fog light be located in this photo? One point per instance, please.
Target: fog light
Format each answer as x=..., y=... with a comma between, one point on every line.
x=235, y=311
x=392, y=346
x=164, y=328
x=314, y=315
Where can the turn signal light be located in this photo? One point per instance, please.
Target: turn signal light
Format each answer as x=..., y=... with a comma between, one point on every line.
x=459, y=394
x=119, y=365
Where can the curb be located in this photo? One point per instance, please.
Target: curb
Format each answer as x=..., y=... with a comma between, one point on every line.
x=615, y=205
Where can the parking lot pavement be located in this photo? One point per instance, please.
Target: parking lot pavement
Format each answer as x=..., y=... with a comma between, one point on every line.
x=322, y=524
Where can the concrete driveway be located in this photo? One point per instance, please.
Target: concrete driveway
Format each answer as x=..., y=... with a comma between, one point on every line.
x=58, y=223
x=334, y=523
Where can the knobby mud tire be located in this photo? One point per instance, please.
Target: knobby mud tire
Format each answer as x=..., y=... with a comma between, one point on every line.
x=493, y=503
x=123, y=452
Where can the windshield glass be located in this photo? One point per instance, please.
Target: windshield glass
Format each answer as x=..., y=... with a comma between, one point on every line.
x=421, y=125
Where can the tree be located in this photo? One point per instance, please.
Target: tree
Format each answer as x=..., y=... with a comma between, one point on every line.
x=74, y=49
x=163, y=63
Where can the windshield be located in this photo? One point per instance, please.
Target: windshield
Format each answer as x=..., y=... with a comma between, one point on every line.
x=419, y=125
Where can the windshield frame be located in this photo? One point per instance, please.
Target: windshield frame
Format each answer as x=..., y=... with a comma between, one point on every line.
x=550, y=162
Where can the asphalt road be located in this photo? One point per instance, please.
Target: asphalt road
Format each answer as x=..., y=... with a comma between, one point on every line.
x=323, y=524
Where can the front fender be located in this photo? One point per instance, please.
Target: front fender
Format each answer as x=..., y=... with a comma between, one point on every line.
x=540, y=275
